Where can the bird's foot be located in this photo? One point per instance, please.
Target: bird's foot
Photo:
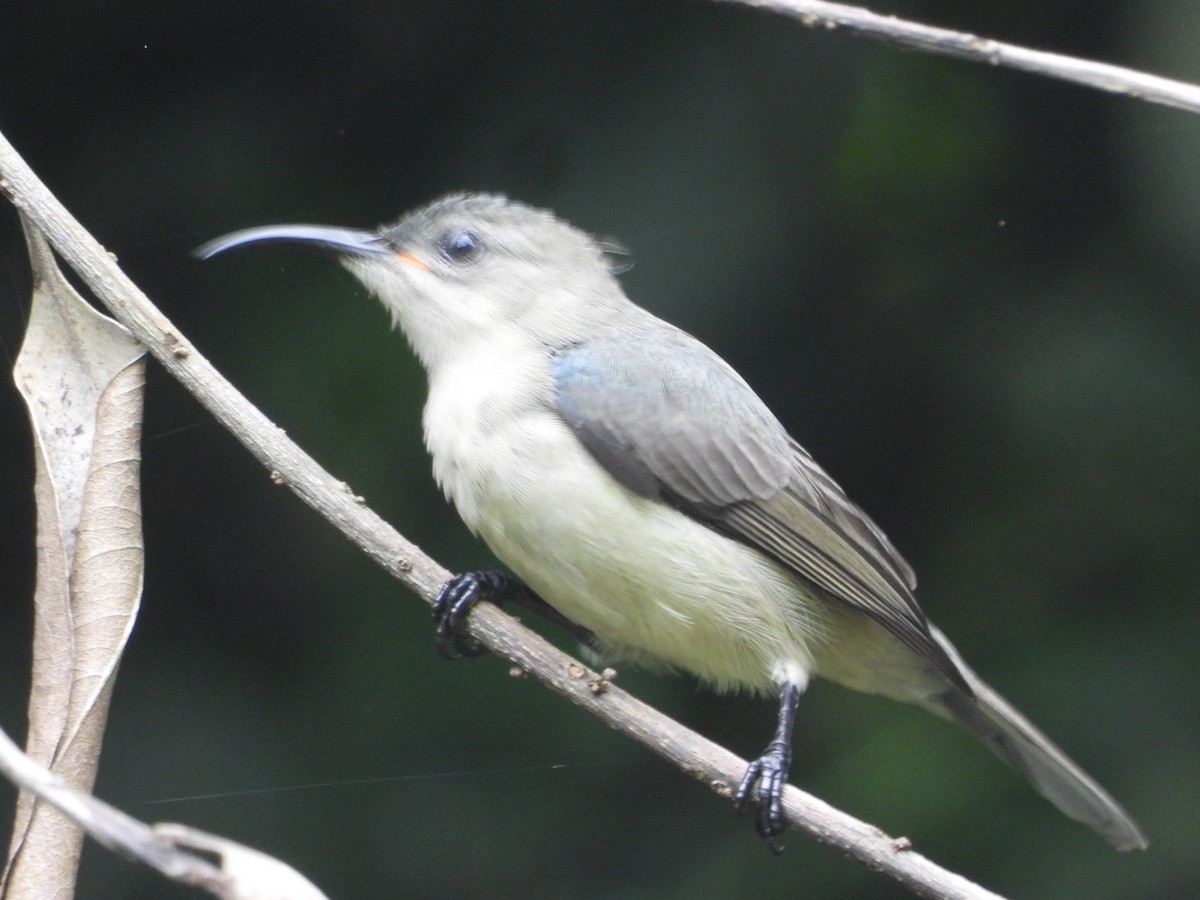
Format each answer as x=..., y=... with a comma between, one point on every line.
x=767, y=777
x=454, y=604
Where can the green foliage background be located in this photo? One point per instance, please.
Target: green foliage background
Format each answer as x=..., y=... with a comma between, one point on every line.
x=973, y=294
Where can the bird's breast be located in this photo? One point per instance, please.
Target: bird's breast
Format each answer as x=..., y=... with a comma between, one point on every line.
x=481, y=426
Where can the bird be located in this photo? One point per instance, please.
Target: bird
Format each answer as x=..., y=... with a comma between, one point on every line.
x=643, y=496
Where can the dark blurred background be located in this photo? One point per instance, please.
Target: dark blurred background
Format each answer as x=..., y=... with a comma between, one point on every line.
x=974, y=295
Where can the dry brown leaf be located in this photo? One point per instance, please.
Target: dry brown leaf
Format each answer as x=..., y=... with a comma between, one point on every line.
x=81, y=375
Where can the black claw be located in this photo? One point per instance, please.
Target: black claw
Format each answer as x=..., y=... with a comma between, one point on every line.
x=767, y=776
x=454, y=604
x=459, y=596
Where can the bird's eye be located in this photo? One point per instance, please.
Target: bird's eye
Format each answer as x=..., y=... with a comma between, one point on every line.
x=460, y=246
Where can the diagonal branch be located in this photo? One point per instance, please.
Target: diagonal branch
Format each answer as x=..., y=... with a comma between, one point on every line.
x=287, y=463
x=1102, y=76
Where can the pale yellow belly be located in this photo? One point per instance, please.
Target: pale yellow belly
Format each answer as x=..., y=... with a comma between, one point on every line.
x=651, y=583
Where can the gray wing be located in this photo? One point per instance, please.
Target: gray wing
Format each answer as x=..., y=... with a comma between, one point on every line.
x=671, y=420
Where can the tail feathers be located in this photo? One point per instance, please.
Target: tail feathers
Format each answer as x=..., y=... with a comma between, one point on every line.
x=1052, y=773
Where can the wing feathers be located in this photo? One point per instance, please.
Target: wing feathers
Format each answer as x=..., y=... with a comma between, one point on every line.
x=672, y=421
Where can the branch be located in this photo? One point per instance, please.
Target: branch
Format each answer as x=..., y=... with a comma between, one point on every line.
x=1102, y=76
x=223, y=868
x=505, y=636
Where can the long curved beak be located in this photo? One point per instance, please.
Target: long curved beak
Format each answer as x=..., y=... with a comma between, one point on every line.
x=341, y=241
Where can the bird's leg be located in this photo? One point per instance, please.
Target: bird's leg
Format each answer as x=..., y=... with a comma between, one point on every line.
x=769, y=773
x=459, y=596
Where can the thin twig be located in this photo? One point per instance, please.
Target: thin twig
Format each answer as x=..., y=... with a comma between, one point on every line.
x=287, y=463
x=1103, y=76
x=226, y=869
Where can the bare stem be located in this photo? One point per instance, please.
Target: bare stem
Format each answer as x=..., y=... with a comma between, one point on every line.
x=1102, y=76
